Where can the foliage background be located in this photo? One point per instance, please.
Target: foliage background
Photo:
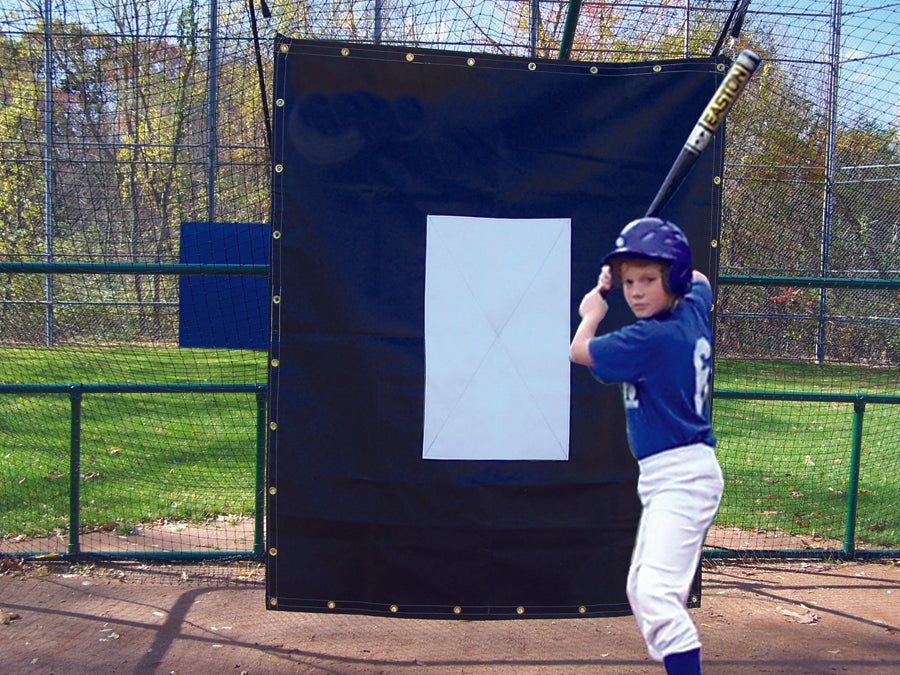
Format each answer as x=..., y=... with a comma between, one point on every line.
x=121, y=119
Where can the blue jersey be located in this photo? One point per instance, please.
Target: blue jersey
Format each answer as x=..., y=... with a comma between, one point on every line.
x=663, y=364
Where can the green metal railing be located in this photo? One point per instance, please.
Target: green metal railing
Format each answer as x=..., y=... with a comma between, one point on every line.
x=76, y=392
x=806, y=282
x=859, y=402
x=859, y=405
x=132, y=268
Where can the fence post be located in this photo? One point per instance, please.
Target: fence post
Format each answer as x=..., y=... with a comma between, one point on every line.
x=376, y=31
x=568, y=36
x=859, y=407
x=212, y=107
x=48, y=169
x=258, y=517
x=828, y=195
x=74, y=547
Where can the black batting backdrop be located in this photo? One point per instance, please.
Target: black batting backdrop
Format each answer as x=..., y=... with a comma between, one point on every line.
x=369, y=143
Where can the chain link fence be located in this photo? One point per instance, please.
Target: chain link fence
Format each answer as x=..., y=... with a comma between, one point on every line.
x=122, y=121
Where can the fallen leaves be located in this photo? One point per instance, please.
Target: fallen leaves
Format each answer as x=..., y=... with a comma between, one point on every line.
x=109, y=634
x=7, y=618
x=805, y=617
x=10, y=564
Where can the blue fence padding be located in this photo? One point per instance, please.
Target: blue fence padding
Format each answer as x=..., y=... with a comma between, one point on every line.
x=218, y=311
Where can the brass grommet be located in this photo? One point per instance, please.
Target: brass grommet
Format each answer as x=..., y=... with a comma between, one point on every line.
x=720, y=67
x=593, y=70
x=273, y=425
x=275, y=363
x=520, y=610
x=273, y=551
x=657, y=69
x=276, y=299
x=279, y=102
x=714, y=243
x=284, y=49
x=717, y=180
x=532, y=66
x=394, y=609
x=273, y=602
x=276, y=234
x=457, y=610
x=273, y=490
x=279, y=168
x=410, y=57
x=331, y=604
x=345, y=52
x=470, y=61
x=582, y=609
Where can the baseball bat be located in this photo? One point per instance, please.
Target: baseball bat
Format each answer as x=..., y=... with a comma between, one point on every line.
x=735, y=80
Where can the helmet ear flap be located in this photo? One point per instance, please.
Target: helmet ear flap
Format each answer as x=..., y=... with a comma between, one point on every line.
x=667, y=278
x=615, y=267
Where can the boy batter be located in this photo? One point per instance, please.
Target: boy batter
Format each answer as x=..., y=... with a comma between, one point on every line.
x=663, y=362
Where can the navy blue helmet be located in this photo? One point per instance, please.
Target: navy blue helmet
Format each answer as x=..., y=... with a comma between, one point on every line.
x=657, y=239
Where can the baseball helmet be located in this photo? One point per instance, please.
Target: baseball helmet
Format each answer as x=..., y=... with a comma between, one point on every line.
x=657, y=239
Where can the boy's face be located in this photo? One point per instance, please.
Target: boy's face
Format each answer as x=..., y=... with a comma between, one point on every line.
x=644, y=288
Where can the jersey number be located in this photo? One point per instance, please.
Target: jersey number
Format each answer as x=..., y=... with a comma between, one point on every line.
x=702, y=362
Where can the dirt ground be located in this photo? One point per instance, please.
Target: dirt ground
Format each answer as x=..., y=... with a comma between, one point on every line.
x=756, y=617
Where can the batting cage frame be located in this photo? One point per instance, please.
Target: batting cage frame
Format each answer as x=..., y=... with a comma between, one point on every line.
x=136, y=163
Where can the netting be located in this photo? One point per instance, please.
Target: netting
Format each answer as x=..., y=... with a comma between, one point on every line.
x=113, y=139
x=121, y=122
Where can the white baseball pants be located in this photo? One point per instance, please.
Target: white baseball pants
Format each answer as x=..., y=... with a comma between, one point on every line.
x=679, y=491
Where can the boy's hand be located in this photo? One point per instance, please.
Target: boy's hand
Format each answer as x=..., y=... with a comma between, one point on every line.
x=699, y=276
x=593, y=305
x=606, y=281
x=592, y=309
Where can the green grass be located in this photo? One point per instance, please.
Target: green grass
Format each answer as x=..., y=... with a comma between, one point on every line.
x=190, y=457
x=118, y=364
x=145, y=457
x=787, y=463
x=803, y=376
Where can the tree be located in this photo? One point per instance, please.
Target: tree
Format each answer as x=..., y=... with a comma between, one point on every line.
x=22, y=181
